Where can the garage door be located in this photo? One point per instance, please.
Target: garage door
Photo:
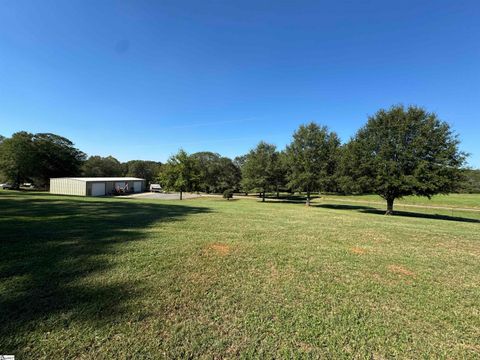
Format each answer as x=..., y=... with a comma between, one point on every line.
x=137, y=186
x=98, y=189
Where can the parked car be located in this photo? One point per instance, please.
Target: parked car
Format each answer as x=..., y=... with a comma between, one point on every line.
x=6, y=186
x=155, y=188
x=27, y=186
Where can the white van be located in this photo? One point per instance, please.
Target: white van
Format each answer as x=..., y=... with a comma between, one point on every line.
x=155, y=188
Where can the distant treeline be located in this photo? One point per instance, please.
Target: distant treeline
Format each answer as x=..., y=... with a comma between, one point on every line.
x=400, y=151
x=471, y=182
x=35, y=158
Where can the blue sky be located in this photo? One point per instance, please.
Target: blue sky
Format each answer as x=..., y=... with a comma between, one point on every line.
x=140, y=79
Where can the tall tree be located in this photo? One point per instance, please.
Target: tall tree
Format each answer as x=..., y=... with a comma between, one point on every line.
x=97, y=166
x=239, y=161
x=229, y=176
x=312, y=157
x=208, y=170
x=56, y=156
x=471, y=181
x=38, y=157
x=144, y=169
x=180, y=173
x=216, y=173
x=280, y=172
x=258, y=170
x=18, y=158
x=403, y=151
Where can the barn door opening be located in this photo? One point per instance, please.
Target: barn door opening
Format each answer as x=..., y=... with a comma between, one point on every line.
x=137, y=186
x=98, y=189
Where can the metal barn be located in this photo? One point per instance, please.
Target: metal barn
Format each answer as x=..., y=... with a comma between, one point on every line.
x=96, y=186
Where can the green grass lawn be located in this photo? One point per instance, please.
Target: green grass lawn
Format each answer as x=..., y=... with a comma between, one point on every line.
x=209, y=278
x=471, y=201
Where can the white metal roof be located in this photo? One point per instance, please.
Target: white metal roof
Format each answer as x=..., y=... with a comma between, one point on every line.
x=89, y=179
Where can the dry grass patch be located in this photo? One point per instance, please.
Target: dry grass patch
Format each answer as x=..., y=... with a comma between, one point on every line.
x=219, y=249
x=358, y=250
x=400, y=270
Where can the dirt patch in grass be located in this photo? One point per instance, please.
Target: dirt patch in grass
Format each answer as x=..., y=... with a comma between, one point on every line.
x=274, y=271
x=400, y=270
x=219, y=249
x=358, y=250
x=276, y=274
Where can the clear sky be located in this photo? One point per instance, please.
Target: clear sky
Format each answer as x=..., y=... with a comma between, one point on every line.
x=140, y=79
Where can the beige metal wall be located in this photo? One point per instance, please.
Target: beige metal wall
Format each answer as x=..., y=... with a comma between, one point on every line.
x=81, y=188
x=68, y=187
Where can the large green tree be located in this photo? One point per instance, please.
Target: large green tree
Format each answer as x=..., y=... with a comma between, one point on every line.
x=144, y=169
x=239, y=162
x=259, y=169
x=208, y=169
x=312, y=157
x=180, y=173
x=27, y=157
x=403, y=151
x=96, y=166
x=216, y=173
x=229, y=175
x=280, y=172
x=471, y=181
x=56, y=156
x=18, y=158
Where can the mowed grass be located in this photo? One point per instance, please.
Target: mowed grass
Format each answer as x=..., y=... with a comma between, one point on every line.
x=209, y=278
x=463, y=201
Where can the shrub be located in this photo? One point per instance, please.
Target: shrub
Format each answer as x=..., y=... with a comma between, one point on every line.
x=228, y=194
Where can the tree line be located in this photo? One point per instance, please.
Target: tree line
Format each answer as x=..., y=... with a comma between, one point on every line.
x=35, y=158
x=400, y=151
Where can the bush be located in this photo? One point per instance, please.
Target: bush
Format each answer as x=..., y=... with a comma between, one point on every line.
x=228, y=194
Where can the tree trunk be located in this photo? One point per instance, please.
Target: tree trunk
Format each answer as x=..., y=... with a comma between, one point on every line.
x=308, y=199
x=263, y=196
x=390, y=206
x=181, y=195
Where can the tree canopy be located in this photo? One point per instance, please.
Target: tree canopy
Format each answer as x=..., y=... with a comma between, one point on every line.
x=403, y=151
x=56, y=156
x=471, y=181
x=96, y=166
x=26, y=157
x=17, y=158
x=143, y=169
x=259, y=169
x=400, y=151
x=179, y=173
x=216, y=173
x=312, y=157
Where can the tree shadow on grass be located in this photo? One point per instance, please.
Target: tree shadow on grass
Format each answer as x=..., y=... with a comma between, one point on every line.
x=51, y=248
x=372, y=210
x=289, y=199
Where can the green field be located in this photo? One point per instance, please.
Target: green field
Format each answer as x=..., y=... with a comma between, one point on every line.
x=209, y=278
x=464, y=201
